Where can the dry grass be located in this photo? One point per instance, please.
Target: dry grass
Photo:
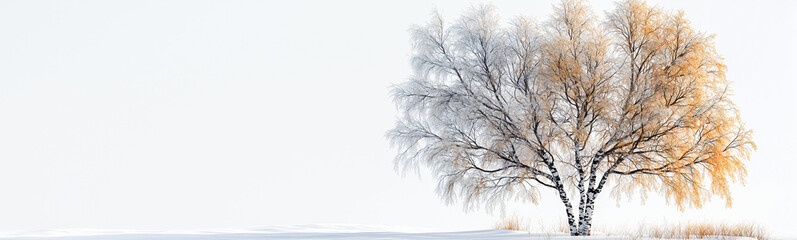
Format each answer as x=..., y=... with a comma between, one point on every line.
x=563, y=227
x=510, y=223
x=688, y=230
x=701, y=230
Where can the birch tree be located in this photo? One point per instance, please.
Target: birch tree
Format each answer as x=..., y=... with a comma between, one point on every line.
x=638, y=100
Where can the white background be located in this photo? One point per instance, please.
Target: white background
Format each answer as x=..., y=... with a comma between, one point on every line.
x=210, y=114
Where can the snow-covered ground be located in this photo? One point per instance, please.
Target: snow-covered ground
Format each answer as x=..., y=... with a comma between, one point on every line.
x=286, y=232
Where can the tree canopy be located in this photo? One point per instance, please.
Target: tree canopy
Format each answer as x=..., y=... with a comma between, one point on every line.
x=638, y=99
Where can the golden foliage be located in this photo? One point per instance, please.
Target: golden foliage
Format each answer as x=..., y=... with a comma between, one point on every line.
x=679, y=81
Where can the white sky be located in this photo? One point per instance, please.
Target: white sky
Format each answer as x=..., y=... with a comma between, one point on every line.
x=210, y=114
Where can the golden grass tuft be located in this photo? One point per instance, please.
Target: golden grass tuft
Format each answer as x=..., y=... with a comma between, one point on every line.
x=702, y=230
x=509, y=223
